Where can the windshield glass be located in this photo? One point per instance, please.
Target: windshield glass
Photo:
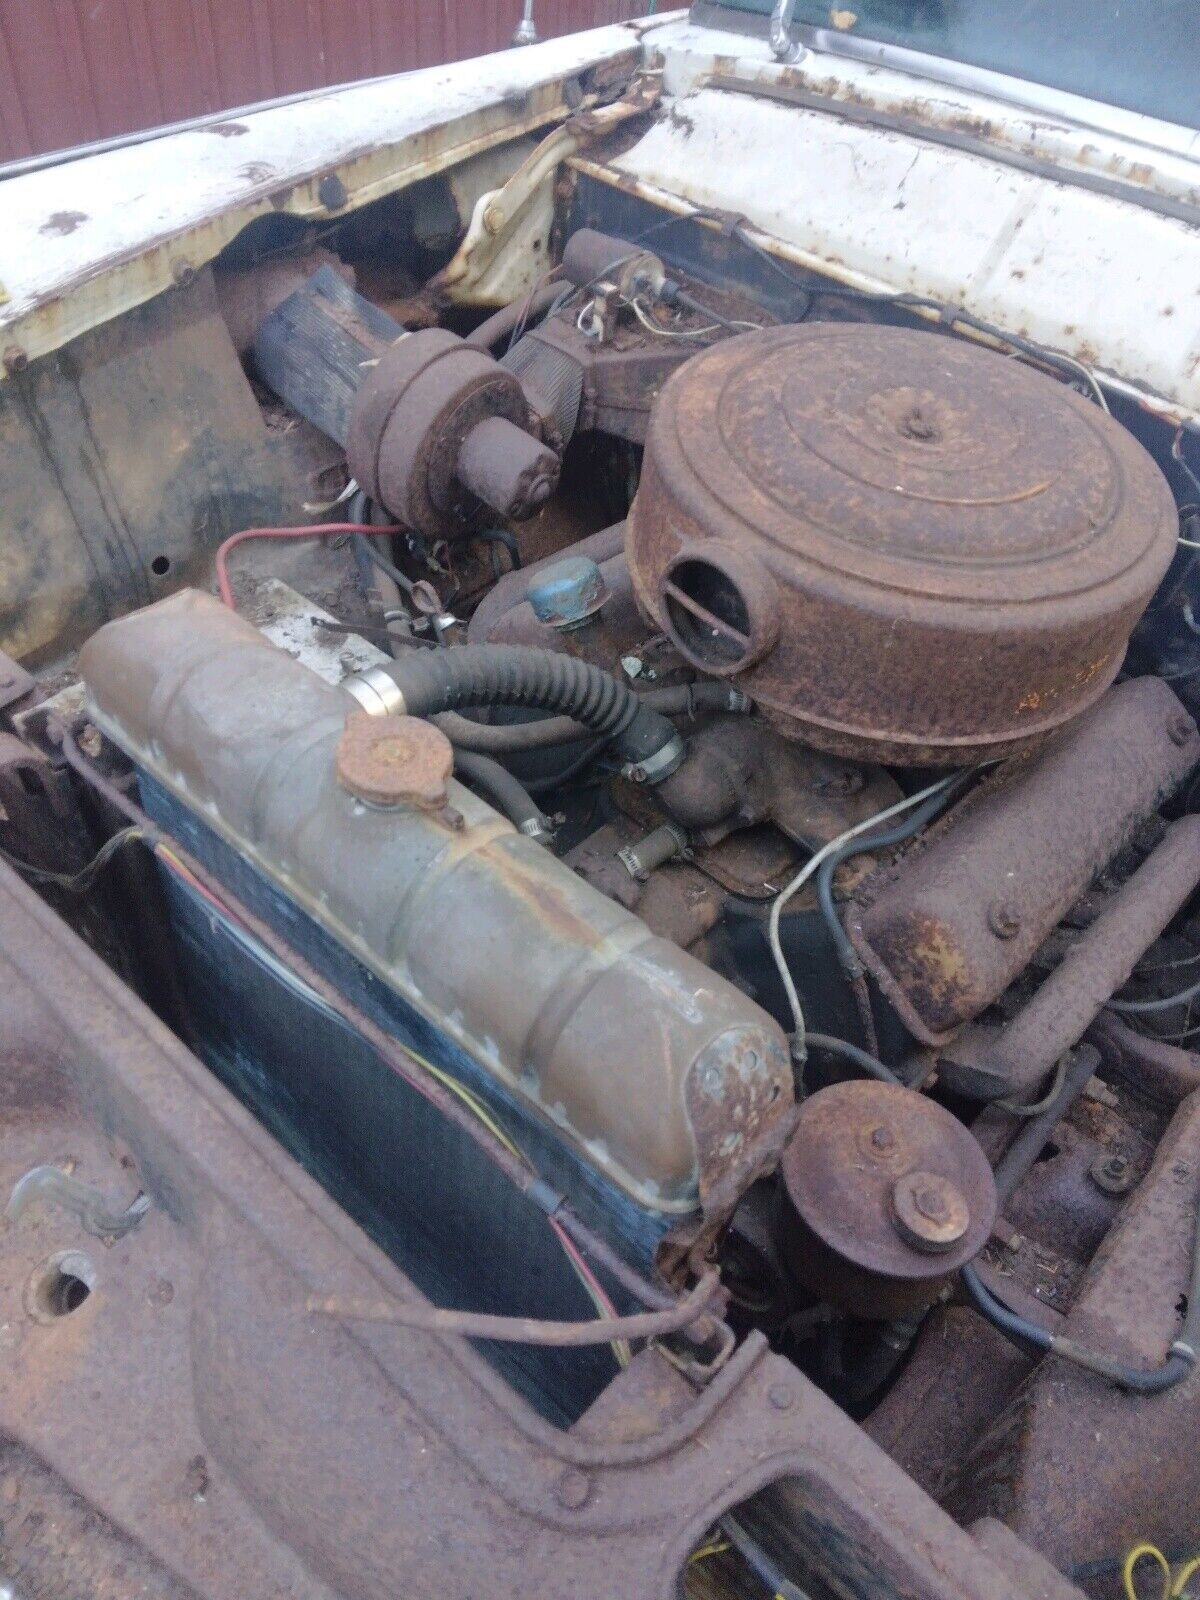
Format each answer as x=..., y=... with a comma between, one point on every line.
x=1140, y=54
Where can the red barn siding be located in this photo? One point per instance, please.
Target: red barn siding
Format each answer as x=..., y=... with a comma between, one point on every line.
x=76, y=70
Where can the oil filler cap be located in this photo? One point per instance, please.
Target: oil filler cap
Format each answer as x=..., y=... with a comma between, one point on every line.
x=394, y=761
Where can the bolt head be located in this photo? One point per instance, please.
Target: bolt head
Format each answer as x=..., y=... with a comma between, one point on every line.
x=1112, y=1174
x=882, y=1139
x=781, y=1397
x=572, y=1490
x=929, y=1212
x=1004, y=919
x=1180, y=728
x=711, y=1080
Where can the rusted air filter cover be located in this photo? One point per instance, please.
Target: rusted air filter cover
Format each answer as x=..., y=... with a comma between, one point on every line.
x=903, y=546
x=888, y=1195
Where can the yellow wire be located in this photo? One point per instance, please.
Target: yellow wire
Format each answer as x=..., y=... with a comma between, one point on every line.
x=718, y=1547
x=473, y=1104
x=620, y=1347
x=1142, y=1552
x=1186, y=1571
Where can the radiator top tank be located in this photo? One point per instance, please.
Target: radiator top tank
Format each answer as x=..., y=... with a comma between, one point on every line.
x=903, y=547
x=662, y=1078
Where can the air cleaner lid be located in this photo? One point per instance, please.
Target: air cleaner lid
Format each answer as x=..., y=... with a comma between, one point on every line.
x=903, y=545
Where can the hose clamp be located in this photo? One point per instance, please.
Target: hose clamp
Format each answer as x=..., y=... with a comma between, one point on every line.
x=658, y=766
x=376, y=692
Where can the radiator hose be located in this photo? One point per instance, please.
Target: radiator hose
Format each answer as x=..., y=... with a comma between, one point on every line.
x=508, y=794
x=427, y=682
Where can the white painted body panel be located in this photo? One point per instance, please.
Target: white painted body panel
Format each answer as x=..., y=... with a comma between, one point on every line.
x=1073, y=230
x=82, y=242
x=1105, y=277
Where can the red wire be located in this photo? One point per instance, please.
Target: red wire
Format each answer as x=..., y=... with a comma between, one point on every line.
x=586, y=1272
x=315, y=530
x=176, y=866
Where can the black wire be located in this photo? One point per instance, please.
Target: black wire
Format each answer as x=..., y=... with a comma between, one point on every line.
x=1140, y=1006
x=1109, y=1566
x=1173, y=1038
x=502, y=536
x=365, y=546
x=541, y=785
x=1178, y=456
x=862, y=1059
x=74, y=882
x=1155, y=1380
x=860, y=845
x=948, y=314
x=689, y=301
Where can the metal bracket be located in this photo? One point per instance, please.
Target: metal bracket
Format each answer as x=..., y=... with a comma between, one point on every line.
x=15, y=682
x=93, y=1211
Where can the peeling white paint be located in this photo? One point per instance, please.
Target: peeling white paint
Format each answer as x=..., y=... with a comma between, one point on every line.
x=153, y=208
x=1103, y=278
x=844, y=165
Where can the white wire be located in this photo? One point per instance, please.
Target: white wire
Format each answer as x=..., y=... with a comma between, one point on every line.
x=1086, y=373
x=1089, y=375
x=669, y=333
x=651, y=326
x=802, y=877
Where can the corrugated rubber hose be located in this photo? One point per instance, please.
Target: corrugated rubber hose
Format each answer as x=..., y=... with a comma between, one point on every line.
x=436, y=681
x=515, y=738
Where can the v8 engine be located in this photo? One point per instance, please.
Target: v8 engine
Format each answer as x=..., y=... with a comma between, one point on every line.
x=698, y=854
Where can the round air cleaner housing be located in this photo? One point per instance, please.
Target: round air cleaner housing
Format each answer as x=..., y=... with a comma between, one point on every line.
x=904, y=547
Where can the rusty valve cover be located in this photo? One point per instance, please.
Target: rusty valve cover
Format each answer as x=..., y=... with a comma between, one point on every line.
x=903, y=546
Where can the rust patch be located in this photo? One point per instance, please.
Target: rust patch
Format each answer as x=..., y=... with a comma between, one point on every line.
x=943, y=968
x=951, y=925
x=63, y=222
x=394, y=761
x=244, y=1238
x=804, y=503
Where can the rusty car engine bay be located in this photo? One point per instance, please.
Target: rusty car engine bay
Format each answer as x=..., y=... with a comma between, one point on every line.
x=697, y=862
